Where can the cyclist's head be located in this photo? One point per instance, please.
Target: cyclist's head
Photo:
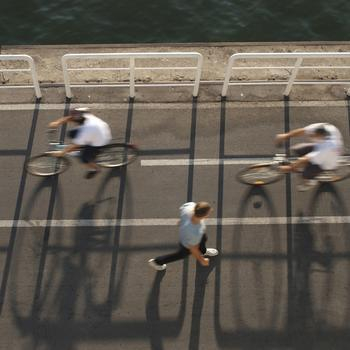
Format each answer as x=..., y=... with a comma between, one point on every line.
x=77, y=115
x=321, y=132
x=202, y=209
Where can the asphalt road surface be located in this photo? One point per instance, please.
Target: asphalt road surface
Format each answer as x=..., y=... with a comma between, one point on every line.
x=73, y=252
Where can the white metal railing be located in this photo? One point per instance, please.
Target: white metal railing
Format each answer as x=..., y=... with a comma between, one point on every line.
x=31, y=69
x=298, y=56
x=132, y=67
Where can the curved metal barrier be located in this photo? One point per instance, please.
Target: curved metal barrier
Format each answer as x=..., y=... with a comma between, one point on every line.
x=31, y=69
x=132, y=57
x=298, y=56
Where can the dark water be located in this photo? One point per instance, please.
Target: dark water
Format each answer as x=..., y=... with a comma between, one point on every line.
x=140, y=21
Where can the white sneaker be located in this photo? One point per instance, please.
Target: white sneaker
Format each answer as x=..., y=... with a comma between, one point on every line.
x=307, y=185
x=152, y=263
x=211, y=252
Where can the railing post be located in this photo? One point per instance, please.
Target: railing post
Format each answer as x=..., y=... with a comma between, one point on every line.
x=34, y=77
x=66, y=78
x=293, y=76
x=228, y=73
x=132, y=76
x=198, y=75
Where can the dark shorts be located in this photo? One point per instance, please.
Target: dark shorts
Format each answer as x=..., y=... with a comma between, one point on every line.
x=89, y=154
x=311, y=170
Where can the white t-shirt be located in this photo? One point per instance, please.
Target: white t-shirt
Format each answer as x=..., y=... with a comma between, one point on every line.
x=190, y=234
x=327, y=151
x=94, y=132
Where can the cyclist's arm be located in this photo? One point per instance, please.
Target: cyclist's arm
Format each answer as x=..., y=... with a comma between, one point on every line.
x=68, y=149
x=290, y=134
x=194, y=249
x=60, y=121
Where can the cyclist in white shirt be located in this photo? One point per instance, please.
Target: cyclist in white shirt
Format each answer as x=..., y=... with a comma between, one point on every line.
x=321, y=153
x=89, y=136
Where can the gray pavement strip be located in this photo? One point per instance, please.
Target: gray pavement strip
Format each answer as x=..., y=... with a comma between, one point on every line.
x=233, y=221
x=179, y=105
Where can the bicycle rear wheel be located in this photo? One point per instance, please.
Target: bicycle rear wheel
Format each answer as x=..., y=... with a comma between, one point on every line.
x=116, y=155
x=259, y=174
x=47, y=165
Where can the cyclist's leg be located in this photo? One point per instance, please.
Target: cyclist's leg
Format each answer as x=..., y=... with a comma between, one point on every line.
x=88, y=156
x=301, y=149
x=311, y=171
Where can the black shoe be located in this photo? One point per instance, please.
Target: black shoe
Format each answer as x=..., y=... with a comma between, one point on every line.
x=90, y=174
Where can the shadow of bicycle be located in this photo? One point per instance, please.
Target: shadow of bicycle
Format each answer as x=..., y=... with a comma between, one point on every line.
x=322, y=272
x=250, y=278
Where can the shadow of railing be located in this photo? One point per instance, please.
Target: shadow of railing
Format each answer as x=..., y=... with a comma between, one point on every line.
x=19, y=200
x=66, y=305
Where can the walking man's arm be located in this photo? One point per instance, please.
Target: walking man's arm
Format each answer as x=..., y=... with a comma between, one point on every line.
x=198, y=255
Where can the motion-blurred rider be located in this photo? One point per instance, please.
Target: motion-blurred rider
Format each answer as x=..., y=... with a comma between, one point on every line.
x=90, y=134
x=321, y=153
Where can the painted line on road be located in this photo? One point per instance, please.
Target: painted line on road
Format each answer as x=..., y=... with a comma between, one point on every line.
x=180, y=105
x=234, y=221
x=209, y=161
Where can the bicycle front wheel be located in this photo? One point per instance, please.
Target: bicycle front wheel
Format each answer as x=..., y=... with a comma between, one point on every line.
x=342, y=172
x=259, y=174
x=116, y=155
x=47, y=165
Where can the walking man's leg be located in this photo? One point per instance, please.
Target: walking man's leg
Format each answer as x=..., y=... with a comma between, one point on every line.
x=207, y=251
x=160, y=262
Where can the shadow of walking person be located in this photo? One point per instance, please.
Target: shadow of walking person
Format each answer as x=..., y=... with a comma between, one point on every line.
x=153, y=314
x=168, y=327
x=201, y=279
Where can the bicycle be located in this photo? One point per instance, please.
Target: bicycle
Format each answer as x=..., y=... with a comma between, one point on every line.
x=113, y=155
x=268, y=172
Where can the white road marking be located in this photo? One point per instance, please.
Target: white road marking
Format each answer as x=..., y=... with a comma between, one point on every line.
x=168, y=106
x=209, y=161
x=234, y=221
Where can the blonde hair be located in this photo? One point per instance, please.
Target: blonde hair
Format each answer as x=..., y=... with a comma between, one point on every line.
x=201, y=209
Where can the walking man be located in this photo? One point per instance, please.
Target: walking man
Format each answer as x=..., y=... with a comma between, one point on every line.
x=192, y=236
